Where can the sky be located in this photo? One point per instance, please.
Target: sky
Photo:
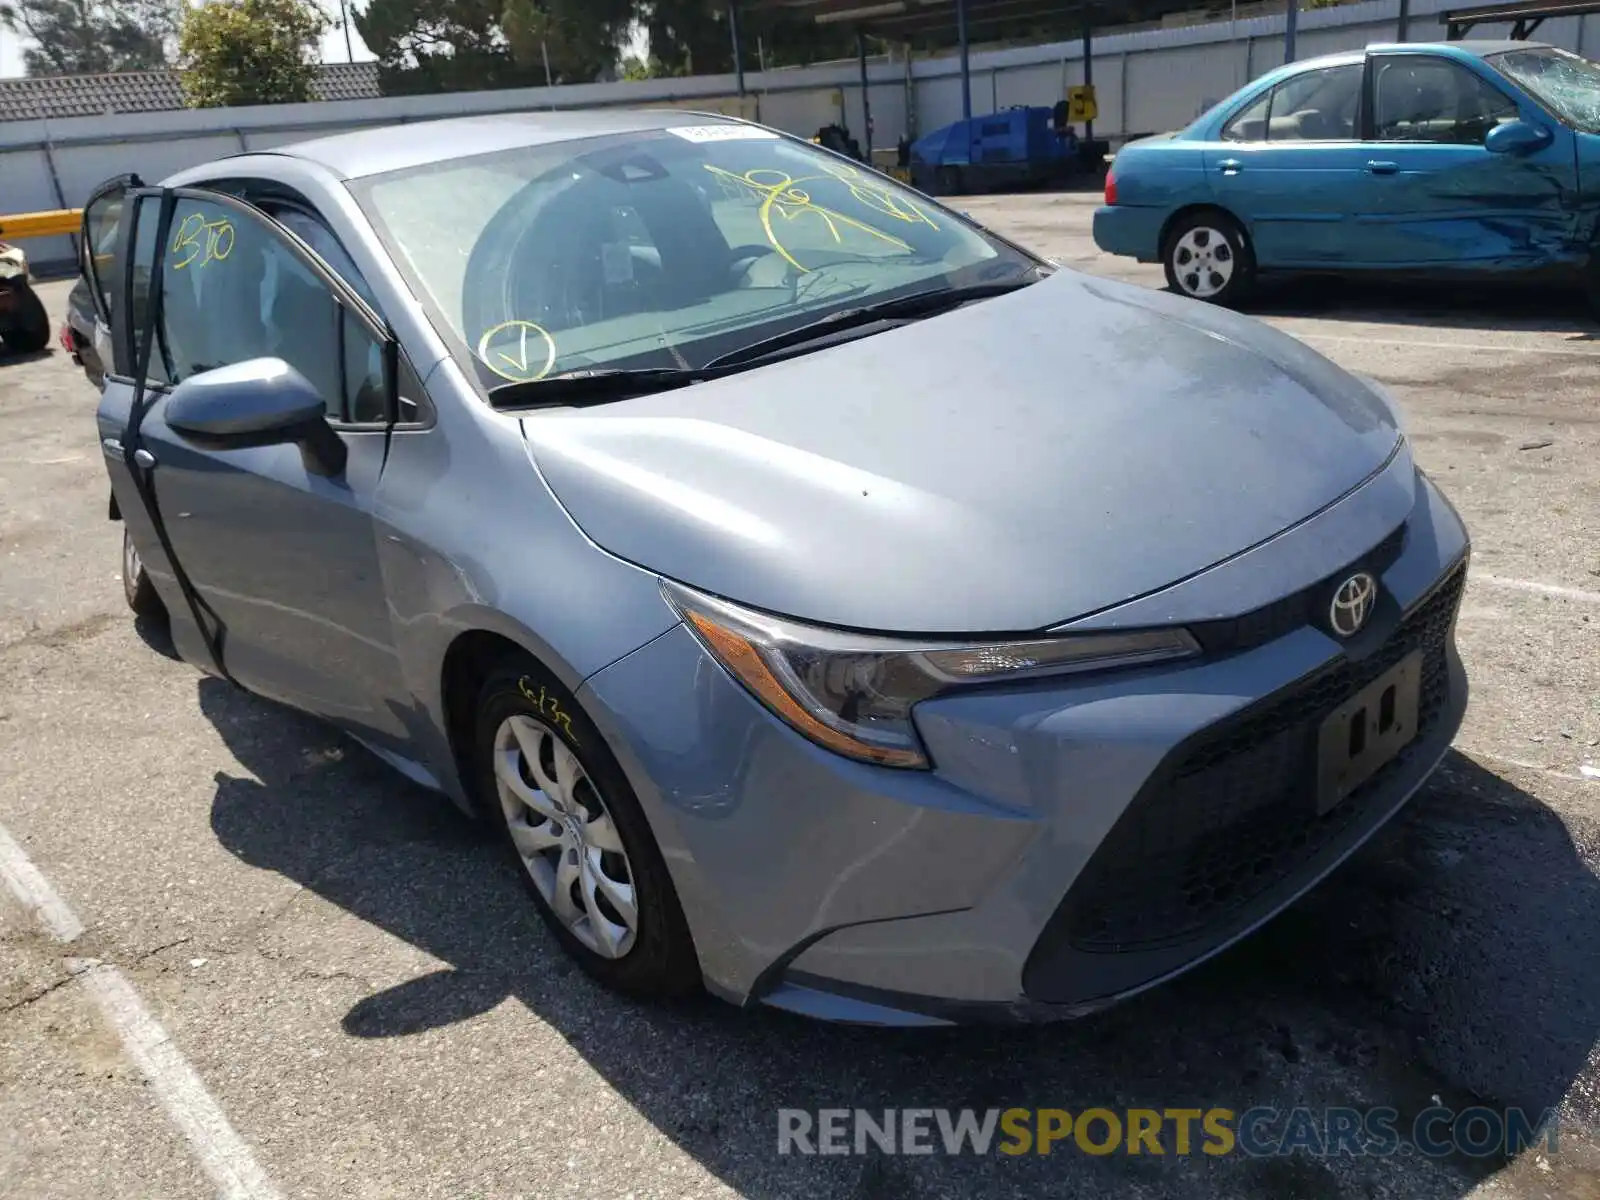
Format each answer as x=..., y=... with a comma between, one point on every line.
x=333, y=48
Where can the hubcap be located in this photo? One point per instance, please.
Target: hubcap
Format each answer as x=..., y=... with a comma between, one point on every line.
x=565, y=836
x=1202, y=260
x=130, y=561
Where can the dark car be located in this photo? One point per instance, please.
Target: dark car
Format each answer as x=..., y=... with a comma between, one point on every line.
x=77, y=333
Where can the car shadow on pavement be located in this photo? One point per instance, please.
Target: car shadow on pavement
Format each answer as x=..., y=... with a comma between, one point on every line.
x=157, y=635
x=8, y=359
x=1452, y=961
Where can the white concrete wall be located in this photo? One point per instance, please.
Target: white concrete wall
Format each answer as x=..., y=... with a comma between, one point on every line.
x=1145, y=82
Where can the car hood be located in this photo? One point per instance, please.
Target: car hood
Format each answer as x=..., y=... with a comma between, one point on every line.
x=1008, y=466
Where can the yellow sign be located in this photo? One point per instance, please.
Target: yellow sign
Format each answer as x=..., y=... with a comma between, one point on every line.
x=1080, y=103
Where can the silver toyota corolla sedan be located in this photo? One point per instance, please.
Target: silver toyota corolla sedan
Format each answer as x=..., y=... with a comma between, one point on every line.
x=831, y=603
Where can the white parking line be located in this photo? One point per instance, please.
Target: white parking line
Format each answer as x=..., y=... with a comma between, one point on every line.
x=222, y=1152
x=1493, y=347
x=1541, y=589
x=35, y=892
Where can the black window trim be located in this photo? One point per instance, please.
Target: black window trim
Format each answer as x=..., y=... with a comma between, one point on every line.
x=1370, y=87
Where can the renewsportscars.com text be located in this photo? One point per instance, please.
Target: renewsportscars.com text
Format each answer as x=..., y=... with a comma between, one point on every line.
x=1258, y=1132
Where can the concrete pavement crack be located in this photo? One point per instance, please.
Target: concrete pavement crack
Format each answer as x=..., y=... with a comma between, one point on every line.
x=38, y=995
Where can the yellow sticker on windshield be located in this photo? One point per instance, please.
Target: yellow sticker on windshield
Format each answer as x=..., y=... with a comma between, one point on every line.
x=520, y=351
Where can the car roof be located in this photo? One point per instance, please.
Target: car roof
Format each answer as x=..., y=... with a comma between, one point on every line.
x=417, y=143
x=1480, y=48
x=1473, y=47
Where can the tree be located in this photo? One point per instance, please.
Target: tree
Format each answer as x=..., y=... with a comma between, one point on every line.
x=250, y=52
x=466, y=45
x=579, y=40
x=90, y=37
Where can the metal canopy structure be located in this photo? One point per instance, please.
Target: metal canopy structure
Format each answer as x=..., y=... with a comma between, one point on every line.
x=936, y=24
x=946, y=24
x=1524, y=16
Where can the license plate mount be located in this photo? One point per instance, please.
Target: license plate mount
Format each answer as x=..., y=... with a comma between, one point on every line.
x=1367, y=730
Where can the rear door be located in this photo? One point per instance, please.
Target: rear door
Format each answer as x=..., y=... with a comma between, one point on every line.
x=1435, y=196
x=1288, y=163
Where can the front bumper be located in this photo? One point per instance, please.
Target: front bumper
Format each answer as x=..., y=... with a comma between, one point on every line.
x=1078, y=840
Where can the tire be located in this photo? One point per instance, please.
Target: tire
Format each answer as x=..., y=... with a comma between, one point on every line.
x=523, y=710
x=29, y=330
x=137, y=589
x=1207, y=256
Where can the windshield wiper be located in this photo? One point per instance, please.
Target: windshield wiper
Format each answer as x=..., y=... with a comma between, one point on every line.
x=602, y=385
x=577, y=389
x=901, y=308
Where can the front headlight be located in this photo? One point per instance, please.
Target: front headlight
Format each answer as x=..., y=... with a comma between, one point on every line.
x=853, y=693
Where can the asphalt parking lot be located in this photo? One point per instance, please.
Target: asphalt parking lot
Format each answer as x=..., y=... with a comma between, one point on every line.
x=367, y=995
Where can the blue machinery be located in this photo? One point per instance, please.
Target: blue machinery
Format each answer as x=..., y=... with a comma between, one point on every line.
x=942, y=24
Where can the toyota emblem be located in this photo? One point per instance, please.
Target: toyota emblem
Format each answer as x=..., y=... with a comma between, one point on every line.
x=1353, y=604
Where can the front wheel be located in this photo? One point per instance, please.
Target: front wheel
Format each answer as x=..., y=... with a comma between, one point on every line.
x=137, y=589
x=574, y=826
x=1207, y=256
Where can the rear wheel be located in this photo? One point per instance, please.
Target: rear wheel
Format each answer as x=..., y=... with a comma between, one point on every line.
x=137, y=589
x=27, y=330
x=1207, y=256
x=584, y=848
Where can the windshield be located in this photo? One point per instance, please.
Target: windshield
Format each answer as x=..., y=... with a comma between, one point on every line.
x=660, y=249
x=1567, y=84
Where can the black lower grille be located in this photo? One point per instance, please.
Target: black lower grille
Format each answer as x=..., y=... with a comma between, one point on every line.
x=1233, y=812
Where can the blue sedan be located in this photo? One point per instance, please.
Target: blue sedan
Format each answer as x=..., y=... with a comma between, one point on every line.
x=1476, y=157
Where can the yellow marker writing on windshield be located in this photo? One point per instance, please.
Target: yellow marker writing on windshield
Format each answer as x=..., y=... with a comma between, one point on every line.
x=780, y=195
x=520, y=351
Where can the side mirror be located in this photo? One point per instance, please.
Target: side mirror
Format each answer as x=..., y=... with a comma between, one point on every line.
x=1516, y=137
x=262, y=402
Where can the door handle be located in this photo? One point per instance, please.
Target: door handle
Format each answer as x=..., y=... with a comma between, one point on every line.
x=1230, y=166
x=144, y=458
x=1382, y=168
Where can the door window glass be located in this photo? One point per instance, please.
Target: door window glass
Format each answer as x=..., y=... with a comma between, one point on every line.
x=144, y=256
x=1417, y=98
x=1249, y=125
x=1313, y=106
x=234, y=290
x=100, y=218
x=320, y=238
